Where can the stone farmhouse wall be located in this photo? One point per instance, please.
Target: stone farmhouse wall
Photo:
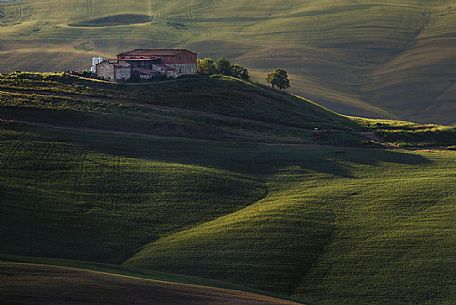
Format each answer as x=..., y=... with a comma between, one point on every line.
x=105, y=70
x=122, y=73
x=184, y=69
x=113, y=72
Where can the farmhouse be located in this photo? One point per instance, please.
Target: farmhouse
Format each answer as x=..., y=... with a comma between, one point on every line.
x=148, y=64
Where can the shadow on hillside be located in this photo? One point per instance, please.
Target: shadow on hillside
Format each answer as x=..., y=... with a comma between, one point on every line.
x=252, y=159
x=376, y=156
x=328, y=160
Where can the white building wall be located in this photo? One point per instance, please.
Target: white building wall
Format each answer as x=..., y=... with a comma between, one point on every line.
x=95, y=62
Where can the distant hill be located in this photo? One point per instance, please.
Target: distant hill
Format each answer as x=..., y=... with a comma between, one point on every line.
x=391, y=59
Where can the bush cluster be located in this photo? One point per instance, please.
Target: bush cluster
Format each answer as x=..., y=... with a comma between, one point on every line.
x=222, y=66
x=208, y=66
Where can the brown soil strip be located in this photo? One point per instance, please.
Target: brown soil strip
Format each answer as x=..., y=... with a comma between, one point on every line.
x=22, y=284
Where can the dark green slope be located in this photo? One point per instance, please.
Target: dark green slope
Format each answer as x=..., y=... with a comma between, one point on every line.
x=208, y=108
x=106, y=196
x=224, y=180
x=199, y=108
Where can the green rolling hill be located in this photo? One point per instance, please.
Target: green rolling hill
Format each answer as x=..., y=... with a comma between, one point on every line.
x=219, y=182
x=391, y=59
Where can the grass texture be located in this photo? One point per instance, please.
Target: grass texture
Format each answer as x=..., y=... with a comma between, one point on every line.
x=86, y=175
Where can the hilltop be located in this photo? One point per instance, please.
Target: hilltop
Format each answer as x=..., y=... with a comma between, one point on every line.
x=391, y=59
x=219, y=182
x=201, y=107
x=207, y=108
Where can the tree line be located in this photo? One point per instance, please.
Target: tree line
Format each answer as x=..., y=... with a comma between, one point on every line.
x=223, y=66
x=208, y=66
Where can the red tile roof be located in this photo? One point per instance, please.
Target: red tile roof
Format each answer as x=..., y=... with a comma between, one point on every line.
x=139, y=59
x=154, y=52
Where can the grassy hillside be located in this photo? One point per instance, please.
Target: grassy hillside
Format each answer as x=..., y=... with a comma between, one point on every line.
x=319, y=239
x=331, y=218
x=208, y=108
x=201, y=108
x=222, y=179
x=373, y=58
x=104, y=206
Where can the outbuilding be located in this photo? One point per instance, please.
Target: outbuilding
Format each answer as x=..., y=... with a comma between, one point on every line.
x=113, y=70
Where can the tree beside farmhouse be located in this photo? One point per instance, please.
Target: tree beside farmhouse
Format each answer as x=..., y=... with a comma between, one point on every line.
x=222, y=66
x=206, y=66
x=240, y=72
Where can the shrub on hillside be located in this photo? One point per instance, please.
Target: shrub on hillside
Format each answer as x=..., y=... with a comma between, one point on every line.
x=279, y=79
x=222, y=66
x=206, y=66
x=240, y=72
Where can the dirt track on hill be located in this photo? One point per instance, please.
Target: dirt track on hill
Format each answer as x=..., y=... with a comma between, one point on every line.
x=22, y=284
